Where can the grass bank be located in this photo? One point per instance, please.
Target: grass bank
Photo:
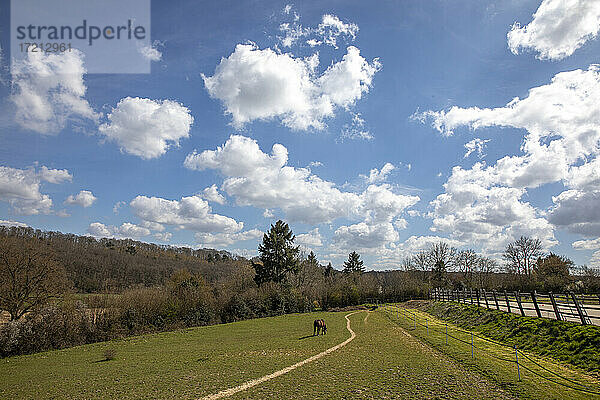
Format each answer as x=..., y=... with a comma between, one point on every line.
x=568, y=342
x=541, y=378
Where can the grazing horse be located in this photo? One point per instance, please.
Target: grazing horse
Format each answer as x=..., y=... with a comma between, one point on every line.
x=319, y=326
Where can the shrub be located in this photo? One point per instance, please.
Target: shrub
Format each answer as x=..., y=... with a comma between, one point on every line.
x=109, y=354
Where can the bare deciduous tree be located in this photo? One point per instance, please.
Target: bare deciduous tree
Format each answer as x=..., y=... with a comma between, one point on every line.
x=421, y=262
x=441, y=257
x=522, y=254
x=466, y=263
x=484, y=267
x=29, y=276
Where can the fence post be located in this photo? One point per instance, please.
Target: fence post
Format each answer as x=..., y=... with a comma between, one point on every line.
x=517, y=358
x=427, y=325
x=472, y=347
x=535, y=304
x=477, y=294
x=471, y=295
x=485, y=297
x=446, y=333
x=579, y=310
x=556, y=311
x=507, y=302
x=518, y=297
x=495, y=299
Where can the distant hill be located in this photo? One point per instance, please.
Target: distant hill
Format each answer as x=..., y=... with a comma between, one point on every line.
x=103, y=264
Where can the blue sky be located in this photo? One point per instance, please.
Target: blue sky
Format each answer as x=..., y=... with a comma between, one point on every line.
x=406, y=84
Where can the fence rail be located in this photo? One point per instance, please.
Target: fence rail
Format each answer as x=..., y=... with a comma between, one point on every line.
x=581, y=308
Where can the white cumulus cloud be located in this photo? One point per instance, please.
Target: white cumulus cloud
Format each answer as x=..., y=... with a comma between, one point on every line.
x=125, y=231
x=365, y=235
x=256, y=84
x=163, y=236
x=310, y=239
x=578, y=211
x=376, y=175
x=151, y=52
x=21, y=188
x=191, y=213
x=473, y=209
x=226, y=239
x=84, y=198
x=356, y=129
x=558, y=28
x=49, y=91
x=147, y=128
x=476, y=145
x=211, y=193
x=329, y=30
x=13, y=223
x=561, y=144
x=264, y=181
x=593, y=244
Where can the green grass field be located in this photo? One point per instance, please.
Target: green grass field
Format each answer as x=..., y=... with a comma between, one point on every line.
x=383, y=361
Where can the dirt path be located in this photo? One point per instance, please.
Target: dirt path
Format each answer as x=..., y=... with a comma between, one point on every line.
x=257, y=381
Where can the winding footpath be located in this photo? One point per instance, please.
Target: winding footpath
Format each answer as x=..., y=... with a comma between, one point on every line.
x=258, y=381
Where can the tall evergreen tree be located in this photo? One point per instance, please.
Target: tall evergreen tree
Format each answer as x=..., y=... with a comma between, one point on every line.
x=328, y=270
x=312, y=259
x=278, y=255
x=354, y=263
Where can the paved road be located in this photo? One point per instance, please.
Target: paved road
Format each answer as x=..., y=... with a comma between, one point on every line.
x=547, y=311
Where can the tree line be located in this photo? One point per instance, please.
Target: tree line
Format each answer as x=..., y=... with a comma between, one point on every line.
x=525, y=267
x=62, y=290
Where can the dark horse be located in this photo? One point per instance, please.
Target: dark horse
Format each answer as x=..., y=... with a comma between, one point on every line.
x=319, y=326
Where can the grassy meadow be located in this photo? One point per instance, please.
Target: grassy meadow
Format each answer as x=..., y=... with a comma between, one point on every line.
x=383, y=361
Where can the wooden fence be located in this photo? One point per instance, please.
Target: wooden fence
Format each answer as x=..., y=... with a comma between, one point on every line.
x=582, y=308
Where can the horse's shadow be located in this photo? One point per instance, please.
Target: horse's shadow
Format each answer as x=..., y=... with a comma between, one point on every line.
x=306, y=337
